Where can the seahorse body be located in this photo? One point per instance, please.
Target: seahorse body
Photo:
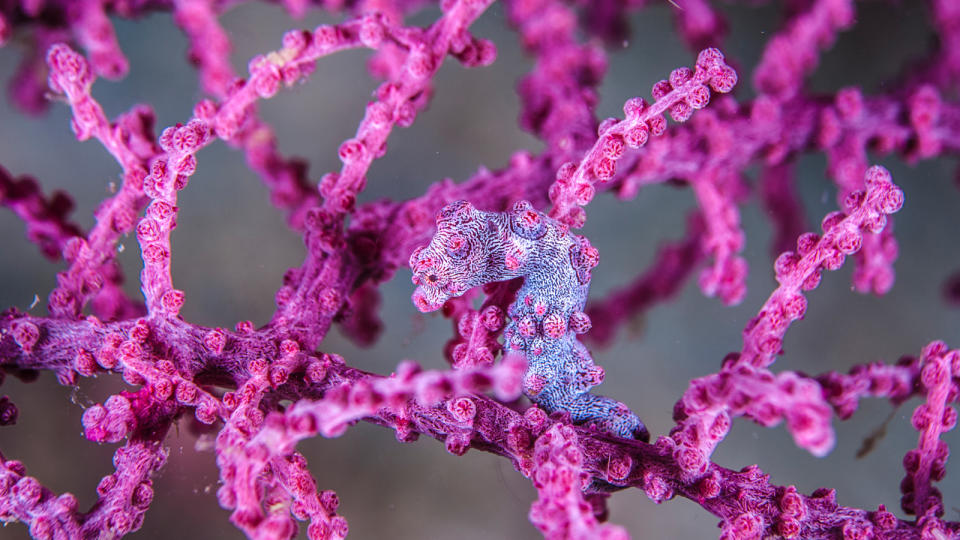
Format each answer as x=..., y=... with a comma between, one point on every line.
x=473, y=247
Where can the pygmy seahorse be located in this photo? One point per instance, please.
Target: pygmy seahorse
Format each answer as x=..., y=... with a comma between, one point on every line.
x=473, y=247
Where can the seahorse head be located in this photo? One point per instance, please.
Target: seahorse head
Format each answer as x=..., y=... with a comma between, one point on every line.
x=457, y=257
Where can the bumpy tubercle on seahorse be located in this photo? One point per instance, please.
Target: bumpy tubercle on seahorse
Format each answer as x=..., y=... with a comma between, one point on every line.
x=474, y=247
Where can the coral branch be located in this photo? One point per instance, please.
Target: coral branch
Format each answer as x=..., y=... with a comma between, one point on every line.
x=45, y=217
x=745, y=386
x=257, y=458
x=685, y=92
x=792, y=54
x=843, y=392
x=123, y=496
x=927, y=463
x=129, y=140
x=723, y=239
x=313, y=287
x=400, y=99
x=559, y=95
x=561, y=510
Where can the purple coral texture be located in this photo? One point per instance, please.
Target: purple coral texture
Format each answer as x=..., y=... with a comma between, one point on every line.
x=503, y=255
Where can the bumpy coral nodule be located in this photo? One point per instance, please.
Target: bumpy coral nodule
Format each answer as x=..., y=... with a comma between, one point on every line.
x=473, y=247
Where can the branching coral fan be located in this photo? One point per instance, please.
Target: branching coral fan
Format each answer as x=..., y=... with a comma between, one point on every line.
x=513, y=231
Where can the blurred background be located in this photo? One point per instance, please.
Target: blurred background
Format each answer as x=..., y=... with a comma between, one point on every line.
x=232, y=247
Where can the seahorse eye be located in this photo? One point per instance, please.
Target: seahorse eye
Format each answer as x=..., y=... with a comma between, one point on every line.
x=432, y=278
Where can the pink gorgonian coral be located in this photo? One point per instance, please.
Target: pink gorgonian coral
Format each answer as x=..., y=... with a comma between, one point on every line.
x=507, y=255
